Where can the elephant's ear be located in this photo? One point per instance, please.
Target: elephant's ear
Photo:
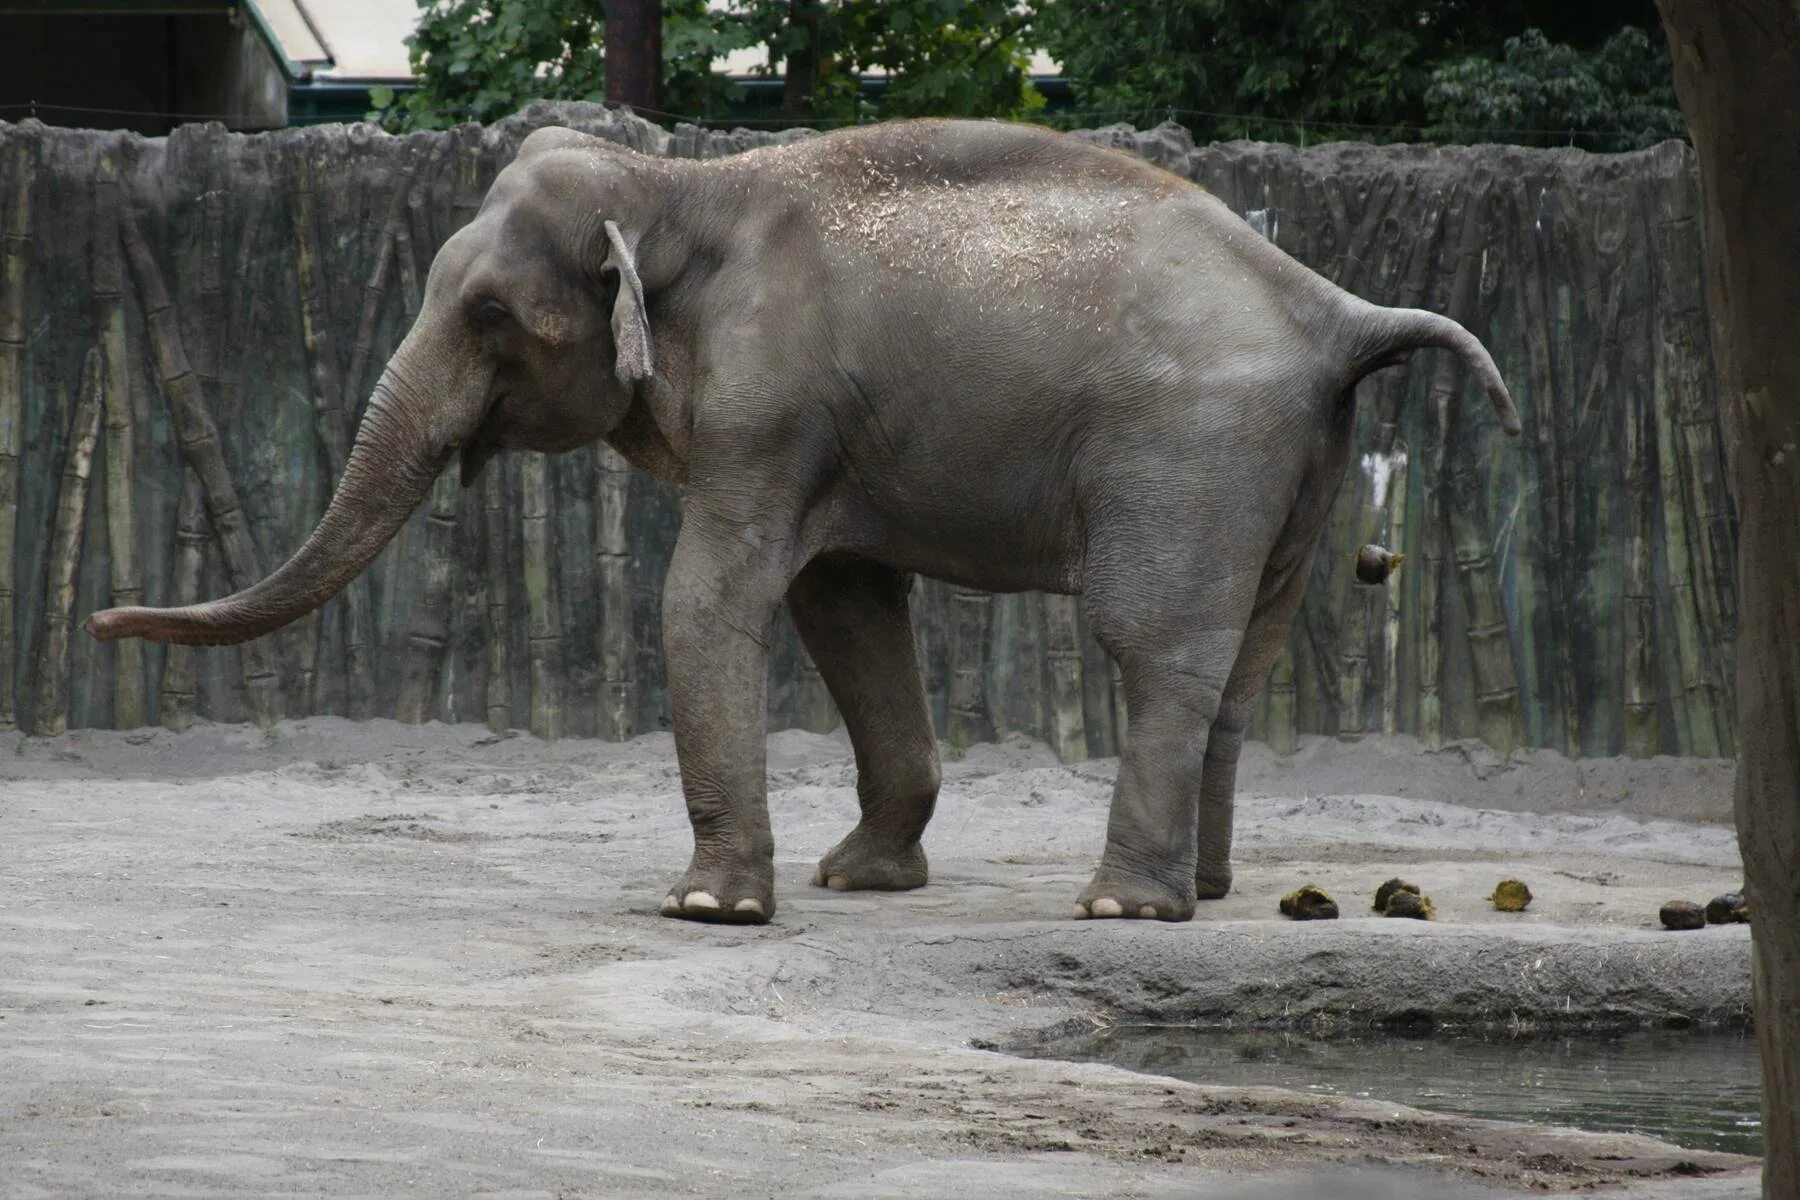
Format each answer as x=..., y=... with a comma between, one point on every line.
x=630, y=327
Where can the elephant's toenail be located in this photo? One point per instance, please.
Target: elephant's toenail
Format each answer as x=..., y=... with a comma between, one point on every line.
x=1081, y=913
x=1108, y=907
x=671, y=904
x=748, y=905
x=1147, y=912
x=838, y=883
x=700, y=900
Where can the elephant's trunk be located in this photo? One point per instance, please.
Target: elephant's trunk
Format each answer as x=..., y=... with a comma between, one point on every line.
x=391, y=468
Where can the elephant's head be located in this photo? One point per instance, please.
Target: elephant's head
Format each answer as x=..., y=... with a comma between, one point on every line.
x=533, y=335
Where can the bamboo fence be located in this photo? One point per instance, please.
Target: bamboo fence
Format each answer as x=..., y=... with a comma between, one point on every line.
x=237, y=296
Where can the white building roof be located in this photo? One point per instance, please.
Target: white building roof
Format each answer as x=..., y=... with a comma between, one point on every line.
x=365, y=40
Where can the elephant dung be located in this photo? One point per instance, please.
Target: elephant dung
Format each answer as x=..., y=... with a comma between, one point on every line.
x=1386, y=891
x=1683, y=914
x=1375, y=564
x=1729, y=909
x=1511, y=895
x=1411, y=904
x=1309, y=904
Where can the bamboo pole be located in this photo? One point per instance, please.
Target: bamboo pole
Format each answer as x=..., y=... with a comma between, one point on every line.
x=543, y=621
x=1692, y=701
x=1601, y=273
x=1282, y=734
x=813, y=709
x=618, y=675
x=428, y=625
x=1068, y=725
x=1490, y=644
x=497, y=575
x=316, y=336
x=393, y=246
x=1699, y=534
x=1642, y=722
x=1440, y=394
x=1353, y=667
x=199, y=440
x=50, y=713
x=1683, y=607
x=970, y=621
x=129, y=708
x=1393, y=596
x=1547, y=510
x=15, y=255
x=1643, y=732
x=180, y=690
x=406, y=252
x=242, y=317
x=333, y=409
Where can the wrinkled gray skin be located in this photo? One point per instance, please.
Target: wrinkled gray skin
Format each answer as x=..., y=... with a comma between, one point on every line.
x=976, y=351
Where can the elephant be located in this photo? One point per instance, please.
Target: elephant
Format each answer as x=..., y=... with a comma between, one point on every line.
x=979, y=351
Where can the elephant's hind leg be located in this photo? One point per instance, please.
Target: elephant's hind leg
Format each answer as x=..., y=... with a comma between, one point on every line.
x=853, y=617
x=1176, y=631
x=1278, y=599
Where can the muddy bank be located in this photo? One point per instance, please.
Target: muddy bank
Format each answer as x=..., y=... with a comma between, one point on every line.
x=354, y=959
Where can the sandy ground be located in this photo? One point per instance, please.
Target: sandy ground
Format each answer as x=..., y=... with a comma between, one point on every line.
x=378, y=960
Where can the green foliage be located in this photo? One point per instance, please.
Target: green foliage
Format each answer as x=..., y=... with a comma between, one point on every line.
x=1380, y=70
x=1367, y=69
x=1242, y=68
x=1625, y=89
x=482, y=60
x=941, y=57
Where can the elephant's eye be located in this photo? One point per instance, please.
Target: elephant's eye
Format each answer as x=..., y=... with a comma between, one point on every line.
x=491, y=314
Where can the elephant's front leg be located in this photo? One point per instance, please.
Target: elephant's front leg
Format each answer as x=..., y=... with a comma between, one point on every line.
x=719, y=601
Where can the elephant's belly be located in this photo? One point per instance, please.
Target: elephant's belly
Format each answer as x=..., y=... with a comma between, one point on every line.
x=972, y=541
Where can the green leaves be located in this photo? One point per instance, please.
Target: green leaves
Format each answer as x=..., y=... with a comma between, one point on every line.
x=1283, y=70
x=481, y=60
x=1620, y=96
x=1374, y=70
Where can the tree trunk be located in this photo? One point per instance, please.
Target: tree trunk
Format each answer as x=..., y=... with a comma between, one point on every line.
x=800, y=72
x=1737, y=71
x=634, y=54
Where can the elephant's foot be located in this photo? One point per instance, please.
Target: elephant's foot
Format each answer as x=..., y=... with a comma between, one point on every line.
x=1212, y=883
x=728, y=894
x=1119, y=894
x=866, y=862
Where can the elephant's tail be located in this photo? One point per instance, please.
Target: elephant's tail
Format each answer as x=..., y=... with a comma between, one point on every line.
x=1387, y=337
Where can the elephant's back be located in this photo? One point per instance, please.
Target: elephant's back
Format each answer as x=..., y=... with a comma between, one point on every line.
x=1017, y=216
